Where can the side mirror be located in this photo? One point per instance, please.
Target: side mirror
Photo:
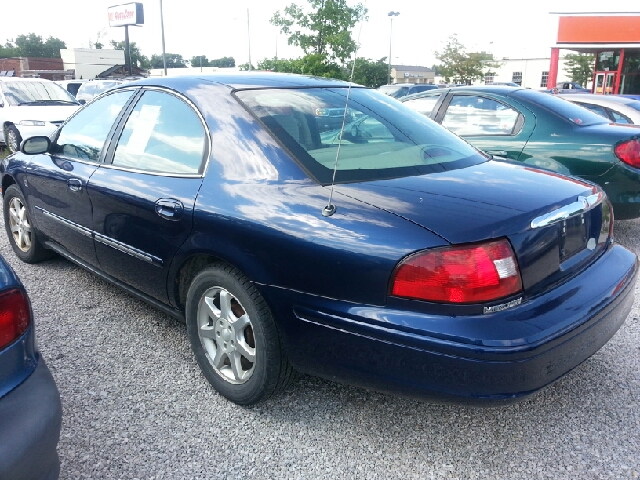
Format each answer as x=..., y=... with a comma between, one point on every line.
x=82, y=102
x=35, y=145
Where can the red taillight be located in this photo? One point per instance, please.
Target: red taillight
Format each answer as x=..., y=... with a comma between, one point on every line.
x=15, y=316
x=629, y=152
x=460, y=274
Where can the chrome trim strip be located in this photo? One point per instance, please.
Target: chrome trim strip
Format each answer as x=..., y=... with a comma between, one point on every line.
x=581, y=205
x=78, y=228
x=110, y=242
x=124, y=248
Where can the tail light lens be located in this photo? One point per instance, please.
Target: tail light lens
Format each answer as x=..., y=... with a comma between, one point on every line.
x=15, y=316
x=459, y=274
x=629, y=152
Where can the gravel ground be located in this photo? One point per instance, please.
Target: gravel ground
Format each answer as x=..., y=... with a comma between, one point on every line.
x=136, y=406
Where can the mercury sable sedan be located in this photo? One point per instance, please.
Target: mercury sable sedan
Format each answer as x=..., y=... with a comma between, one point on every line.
x=395, y=257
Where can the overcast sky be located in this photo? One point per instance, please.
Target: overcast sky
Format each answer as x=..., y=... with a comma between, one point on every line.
x=520, y=29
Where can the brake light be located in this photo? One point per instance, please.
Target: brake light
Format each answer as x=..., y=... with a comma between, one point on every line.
x=629, y=152
x=459, y=274
x=15, y=316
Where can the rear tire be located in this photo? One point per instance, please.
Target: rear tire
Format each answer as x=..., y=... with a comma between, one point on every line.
x=22, y=235
x=234, y=337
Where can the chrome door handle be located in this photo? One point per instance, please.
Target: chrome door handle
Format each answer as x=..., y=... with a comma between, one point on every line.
x=169, y=208
x=74, y=184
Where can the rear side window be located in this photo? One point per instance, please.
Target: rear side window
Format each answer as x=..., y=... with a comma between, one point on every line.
x=560, y=107
x=423, y=105
x=619, y=118
x=382, y=138
x=476, y=115
x=163, y=134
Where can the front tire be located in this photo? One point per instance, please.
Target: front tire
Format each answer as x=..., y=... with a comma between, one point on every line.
x=234, y=337
x=13, y=139
x=20, y=231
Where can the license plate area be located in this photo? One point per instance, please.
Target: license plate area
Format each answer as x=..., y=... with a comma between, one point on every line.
x=573, y=236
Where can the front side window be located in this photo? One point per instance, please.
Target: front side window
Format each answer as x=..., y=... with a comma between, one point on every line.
x=382, y=138
x=33, y=93
x=83, y=136
x=475, y=115
x=163, y=134
x=423, y=105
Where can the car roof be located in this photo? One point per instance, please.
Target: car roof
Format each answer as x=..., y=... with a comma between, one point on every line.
x=598, y=99
x=497, y=89
x=244, y=80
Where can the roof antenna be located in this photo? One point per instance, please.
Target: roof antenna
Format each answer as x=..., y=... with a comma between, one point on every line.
x=330, y=208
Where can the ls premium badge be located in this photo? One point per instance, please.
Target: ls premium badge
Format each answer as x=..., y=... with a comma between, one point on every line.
x=503, y=306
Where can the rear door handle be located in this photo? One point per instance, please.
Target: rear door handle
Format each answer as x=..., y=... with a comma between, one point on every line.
x=169, y=208
x=74, y=184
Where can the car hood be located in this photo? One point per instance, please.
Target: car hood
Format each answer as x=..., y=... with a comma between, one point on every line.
x=488, y=200
x=48, y=113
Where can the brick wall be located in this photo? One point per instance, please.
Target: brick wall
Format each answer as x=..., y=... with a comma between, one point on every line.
x=20, y=64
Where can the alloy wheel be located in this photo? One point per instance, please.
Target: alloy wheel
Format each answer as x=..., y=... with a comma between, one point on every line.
x=226, y=333
x=19, y=223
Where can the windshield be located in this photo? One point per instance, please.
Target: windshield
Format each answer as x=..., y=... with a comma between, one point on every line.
x=25, y=93
x=560, y=107
x=382, y=138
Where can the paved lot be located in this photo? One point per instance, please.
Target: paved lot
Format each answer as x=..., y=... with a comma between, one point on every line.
x=136, y=406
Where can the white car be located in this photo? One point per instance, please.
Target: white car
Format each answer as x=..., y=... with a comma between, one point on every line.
x=93, y=88
x=31, y=107
x=614, y=108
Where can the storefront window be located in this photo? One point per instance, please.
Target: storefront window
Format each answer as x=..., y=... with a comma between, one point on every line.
x=607, y=61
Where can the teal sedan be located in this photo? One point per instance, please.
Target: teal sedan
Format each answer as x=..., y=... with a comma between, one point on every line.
x=544, y=131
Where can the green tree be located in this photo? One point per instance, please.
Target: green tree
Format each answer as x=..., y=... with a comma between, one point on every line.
x=325, y=31
x=369, y=73
x=8, y=50
x=461, y=67
x=223, y=62
x=580, y=67
x=173, y=60
x=199, y=61
x=137, y=59
x=31, y=45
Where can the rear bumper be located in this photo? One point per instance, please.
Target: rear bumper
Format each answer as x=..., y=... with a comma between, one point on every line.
x=487, y=359
x=30, y=418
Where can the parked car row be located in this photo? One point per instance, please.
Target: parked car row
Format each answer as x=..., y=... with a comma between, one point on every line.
x=543, y=130
x=225, y=202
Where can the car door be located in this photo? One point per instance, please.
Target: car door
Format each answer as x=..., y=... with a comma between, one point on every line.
x=488, y=123
x=57, y=181
x=143, y=197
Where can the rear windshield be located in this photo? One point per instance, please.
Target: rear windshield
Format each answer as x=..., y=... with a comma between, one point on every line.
x=560, y=107
x=381, y=139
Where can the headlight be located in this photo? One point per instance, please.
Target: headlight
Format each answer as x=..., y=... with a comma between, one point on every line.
x=32, y=123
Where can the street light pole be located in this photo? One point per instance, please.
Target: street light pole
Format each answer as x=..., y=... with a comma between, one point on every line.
x=164, y=57
x=391, y=15
x=249, y=40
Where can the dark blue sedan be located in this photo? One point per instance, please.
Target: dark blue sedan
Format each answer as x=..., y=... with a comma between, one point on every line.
x=30, y=411
x=388, y=253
